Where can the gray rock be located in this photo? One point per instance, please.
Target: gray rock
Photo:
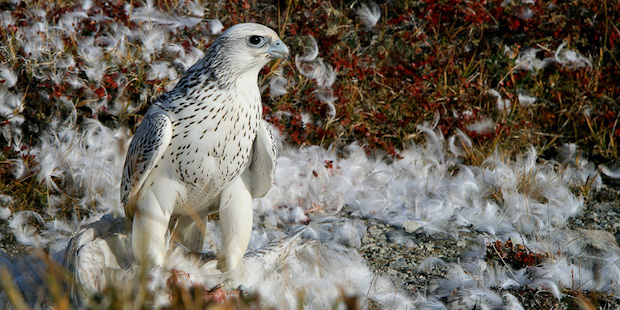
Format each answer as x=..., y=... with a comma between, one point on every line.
x=429, y=246
x=412, y=227
x=375, y=231
x=347, y=236
x=369, y=247
x=599, y=240
x=397, y=237
x=400, y=264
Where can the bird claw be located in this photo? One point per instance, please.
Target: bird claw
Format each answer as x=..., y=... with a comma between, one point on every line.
x=179, y=283
x=243, y=291
x=219, y=295
x=215, y=288
x=179, y=278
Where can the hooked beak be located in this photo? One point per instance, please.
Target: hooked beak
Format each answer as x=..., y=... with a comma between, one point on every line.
x=278, y=49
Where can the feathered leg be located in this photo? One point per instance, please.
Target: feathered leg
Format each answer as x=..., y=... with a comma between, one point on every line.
x=236, y=222
x=150, y=223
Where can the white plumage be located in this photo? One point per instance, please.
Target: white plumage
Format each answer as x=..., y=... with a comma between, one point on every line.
x=203, y=147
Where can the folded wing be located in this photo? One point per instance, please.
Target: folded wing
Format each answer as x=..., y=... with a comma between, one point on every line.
x=147, y=147
x=259, y=176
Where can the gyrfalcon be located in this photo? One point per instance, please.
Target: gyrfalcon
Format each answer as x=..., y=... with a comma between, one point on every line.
x=202, y=148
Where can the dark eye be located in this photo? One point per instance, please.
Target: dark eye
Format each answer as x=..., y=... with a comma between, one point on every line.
x=256, y=40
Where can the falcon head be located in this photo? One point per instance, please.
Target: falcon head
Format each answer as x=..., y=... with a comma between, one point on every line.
x=248, y=47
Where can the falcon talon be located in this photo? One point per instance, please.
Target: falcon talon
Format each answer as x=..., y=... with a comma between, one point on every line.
x=243, y=291
x=215, y=288
x=203, y=148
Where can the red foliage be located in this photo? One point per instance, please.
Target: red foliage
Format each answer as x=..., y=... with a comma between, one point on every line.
x=424, y=61
x=517, y=256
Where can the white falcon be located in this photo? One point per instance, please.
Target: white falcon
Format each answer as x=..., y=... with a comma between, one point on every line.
x=202, y=148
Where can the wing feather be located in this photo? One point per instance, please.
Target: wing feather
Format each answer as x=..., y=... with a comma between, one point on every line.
x=263, y=163
x=146, y=149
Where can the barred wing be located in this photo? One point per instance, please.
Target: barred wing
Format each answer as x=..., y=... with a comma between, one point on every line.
x=146, y=149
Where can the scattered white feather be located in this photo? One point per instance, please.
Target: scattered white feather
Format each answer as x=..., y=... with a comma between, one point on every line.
x=328, y=76
x=153, y=40
x=525, y=100
x=502, y=105
x=579, y=170
x=34, y=45
x=612, y=173
x=278, y=84
x=11, y=106
x=507, y=2
x=528, y=61
x=5, y=202
x=12, y=132
x=17, y=167
x=196, y=8
x=49, y=172
x=435, y=140
x=5, y=212
x=511, y=302
x=152, y=15
x=216, y=27
x=311, y=52
x=24, y=232
x=115, y=41
x=571, y=59
x=327, y=97
x=417, y=187
x=92, y=55
x=369, y=14
x=429, y=302
x=100, y=18
x=483, y=126
x=87, y=5
x=8, y=78
x=90, y=159
x=69, y=21
x=10, y=103
x=526, y=13
x=459, y=143
x=583, y=274
x=430, y=264
x=189, y=59
x=7, y=19
x=161, y=70
x=324, y=75
x=279, y=272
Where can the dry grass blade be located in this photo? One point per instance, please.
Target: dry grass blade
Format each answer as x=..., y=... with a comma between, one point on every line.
x=14, y=295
